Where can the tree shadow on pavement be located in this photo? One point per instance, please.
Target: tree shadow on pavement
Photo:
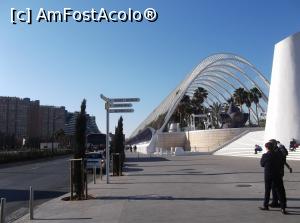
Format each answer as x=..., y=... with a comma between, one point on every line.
x=145, y=159
x=182, y=173
x=289, y=212
x=132, y=169
x=171, y=198
x=293, y=212
x=131, y=164
x=173, y=165
x=189, y=182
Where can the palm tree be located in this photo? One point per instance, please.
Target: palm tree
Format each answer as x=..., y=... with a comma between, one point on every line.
x=248, y=102
x=256, y=96
x=240, y=96
x=199, y=97
x=183, y=111
x=225, y=106
x=229, y=100
x=216, y=109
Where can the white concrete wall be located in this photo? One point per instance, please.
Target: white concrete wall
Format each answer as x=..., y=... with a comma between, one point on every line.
x=200, y=140
x=209, y=140
x=283, y=116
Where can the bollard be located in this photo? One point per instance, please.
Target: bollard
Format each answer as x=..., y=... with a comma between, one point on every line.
x=86, y=188
x=112, y=156
x=101, y=170
x=120, y=171
x=31, y=198
x=94, y=174
x=84, y=180
x=2, y=212
x=82, y=176
x=71, y=180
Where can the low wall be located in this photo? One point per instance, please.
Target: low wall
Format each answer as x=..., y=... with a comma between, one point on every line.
x=200, y=140
x=209, y=140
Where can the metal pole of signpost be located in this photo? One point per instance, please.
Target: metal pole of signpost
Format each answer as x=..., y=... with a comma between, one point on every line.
x=2, y=213
x=31, y=197
x=107, y=143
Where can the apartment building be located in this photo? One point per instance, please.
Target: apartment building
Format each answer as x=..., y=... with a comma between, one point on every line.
x=24, y=118
x=18, y=116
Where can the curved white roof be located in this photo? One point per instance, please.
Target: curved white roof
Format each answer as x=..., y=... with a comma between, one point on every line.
x=220, y=74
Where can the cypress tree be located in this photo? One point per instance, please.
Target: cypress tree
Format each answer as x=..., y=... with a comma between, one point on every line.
x=118, y=147
x=79, y=153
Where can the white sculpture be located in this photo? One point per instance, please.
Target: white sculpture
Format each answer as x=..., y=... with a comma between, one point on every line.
x=283, y=115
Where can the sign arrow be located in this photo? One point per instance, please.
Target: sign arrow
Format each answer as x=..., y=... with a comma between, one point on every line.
x=124, y=100
x=120, y=110
x=124, y=105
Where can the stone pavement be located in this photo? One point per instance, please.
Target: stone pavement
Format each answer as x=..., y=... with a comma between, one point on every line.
x=200, y=188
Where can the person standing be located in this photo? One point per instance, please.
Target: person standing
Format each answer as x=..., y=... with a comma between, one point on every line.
x=282, y=152
x=272, y=163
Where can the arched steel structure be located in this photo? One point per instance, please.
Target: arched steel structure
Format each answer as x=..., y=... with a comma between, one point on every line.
x=220, y=74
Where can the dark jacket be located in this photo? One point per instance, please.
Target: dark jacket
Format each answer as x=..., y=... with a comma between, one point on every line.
x=282, y=152
x=273, y=163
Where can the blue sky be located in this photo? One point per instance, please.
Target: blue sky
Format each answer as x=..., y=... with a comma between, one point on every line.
x=62, y=63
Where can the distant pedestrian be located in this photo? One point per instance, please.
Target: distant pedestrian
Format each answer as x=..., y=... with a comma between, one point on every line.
x=130, y=148
x=257, y=149
x=272, y=163
x=293, y=145
x=134, y=148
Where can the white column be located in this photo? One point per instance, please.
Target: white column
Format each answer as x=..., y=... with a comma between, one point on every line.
x=283, y=115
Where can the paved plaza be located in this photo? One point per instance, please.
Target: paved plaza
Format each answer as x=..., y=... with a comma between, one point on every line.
x=200, y=188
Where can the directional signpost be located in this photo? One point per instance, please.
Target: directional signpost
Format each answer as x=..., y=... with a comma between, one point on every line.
x=115, y=105
x=124, y=105
x=120, y=110
x=119, y=100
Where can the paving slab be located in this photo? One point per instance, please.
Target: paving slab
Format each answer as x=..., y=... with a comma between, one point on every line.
x=201, y=188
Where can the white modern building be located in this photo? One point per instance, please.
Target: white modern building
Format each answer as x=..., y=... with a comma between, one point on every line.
x=283, y=116
x=220, y=75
